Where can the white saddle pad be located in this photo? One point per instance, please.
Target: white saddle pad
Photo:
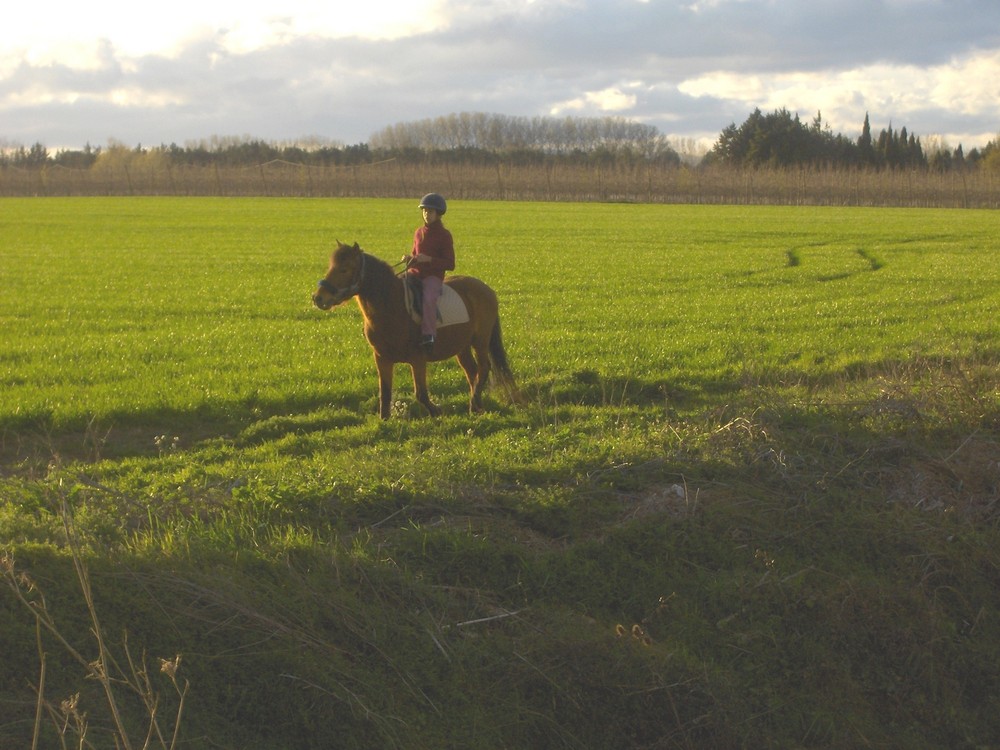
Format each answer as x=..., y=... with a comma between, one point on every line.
x=450, y=308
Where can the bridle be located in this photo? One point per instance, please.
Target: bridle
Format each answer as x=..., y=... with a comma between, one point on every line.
x=348, y=291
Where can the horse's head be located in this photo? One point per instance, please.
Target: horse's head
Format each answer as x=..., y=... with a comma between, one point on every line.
x=343, y=277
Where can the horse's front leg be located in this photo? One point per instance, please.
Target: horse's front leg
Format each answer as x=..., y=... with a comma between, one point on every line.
x=384, y=367
x=420, y=387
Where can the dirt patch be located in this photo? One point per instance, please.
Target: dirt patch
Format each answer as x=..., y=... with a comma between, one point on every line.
x=967, y=481
x=671, y=500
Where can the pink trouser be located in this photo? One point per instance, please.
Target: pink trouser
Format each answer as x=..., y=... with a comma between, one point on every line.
x=432, y=290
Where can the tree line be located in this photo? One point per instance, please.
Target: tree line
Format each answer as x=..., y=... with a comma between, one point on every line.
x=569, y=137
x=778, y=139
x=223, y=152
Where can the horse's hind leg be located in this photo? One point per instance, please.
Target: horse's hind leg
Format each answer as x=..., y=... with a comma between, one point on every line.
x=420, y=388
x=472, y=374
x=477, y=371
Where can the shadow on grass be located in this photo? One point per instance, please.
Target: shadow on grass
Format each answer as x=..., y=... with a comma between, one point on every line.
x=834, y=567
x=30, y=444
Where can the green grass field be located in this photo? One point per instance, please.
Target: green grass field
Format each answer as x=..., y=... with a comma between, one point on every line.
x=751, y=499
x=136, y=311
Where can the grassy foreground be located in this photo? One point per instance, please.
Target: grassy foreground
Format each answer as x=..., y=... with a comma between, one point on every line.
x=751, y=501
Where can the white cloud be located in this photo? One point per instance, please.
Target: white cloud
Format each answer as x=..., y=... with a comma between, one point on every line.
x=105, y=68
x=967, y=86
x=73, y=34
x=131, y=96
x=724, y=85
x=611, y=99
x=701, y=6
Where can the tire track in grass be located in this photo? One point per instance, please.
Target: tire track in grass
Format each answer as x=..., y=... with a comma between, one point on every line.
x=794, y=259
x=874, y=263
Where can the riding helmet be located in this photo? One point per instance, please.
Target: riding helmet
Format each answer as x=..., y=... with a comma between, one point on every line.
x=435, y=201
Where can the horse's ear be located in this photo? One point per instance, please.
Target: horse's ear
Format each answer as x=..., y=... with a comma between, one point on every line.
x=356, y=247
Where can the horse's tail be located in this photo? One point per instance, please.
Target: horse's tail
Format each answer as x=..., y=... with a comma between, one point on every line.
x=501, y=372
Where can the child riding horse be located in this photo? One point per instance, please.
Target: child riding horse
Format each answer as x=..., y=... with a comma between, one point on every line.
x=395, y=337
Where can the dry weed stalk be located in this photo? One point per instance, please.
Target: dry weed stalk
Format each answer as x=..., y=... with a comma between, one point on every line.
x=67, y=718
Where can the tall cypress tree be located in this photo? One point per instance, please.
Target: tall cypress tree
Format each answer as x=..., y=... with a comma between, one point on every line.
x=865, y=143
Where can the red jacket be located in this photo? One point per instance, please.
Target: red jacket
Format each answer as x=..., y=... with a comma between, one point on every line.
x=435, y=242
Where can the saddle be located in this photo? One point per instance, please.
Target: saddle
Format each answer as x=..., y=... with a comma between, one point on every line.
x=450, y=307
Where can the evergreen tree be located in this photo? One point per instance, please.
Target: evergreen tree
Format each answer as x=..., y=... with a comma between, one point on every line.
x=865, y=143
x=959, y=158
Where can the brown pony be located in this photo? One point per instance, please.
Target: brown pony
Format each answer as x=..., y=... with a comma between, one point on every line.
x=395, y=337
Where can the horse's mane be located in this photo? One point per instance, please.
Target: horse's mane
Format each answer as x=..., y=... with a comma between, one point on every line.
x=378, y=279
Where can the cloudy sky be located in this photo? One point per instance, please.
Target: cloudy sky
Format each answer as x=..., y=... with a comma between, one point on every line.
x=281, y=70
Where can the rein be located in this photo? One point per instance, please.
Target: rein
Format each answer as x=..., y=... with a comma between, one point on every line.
x=355, y=286
x=405, y=263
